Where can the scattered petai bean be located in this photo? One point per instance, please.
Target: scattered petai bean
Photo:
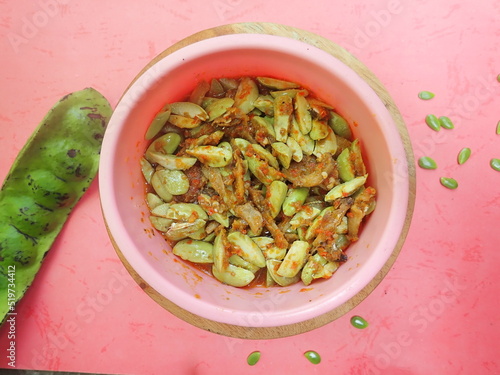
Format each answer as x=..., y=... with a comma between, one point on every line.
x=463, y=155
x=495, y=164
x=498, y=128
x=425, y=95
x=433, y=122
x=313, y=357
x=449, y=183
x=446, y=123
x=426, y=162
x=359, y=322
x=253, y=358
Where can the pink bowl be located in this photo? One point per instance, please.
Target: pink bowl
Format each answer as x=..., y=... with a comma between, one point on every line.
x=171, y=79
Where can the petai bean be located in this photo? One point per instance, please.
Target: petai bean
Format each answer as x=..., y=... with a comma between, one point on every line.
x=495, y=164
x=345, y=166
x=313, y=357
x=194, y=251
x=239, y=175
x=433, y=122
x=449, y=183
x=463, y=155
x=50, y=174
x=426, y=162
x=359, y=322
x=294, y=200
x=425, y=95
x=340, y=126
x=253, y=358
x=276, y=194
x=158, y=122
x=176, y=182
x=446, y=123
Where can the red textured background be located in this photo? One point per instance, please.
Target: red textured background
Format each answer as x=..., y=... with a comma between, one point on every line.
x=436, y=311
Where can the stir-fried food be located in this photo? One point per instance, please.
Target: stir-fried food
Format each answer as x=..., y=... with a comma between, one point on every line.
x=256, y=176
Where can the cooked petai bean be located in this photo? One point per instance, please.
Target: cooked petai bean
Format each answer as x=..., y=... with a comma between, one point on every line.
x=158, y=122
x=258, y=178
x=194, y=251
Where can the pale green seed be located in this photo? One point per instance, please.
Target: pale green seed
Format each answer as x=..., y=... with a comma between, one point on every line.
x=158, y=184
x=463, y=155
x=345, y=166
x=177, y=183
x=166, y=144
x=342, y=242
x=446, y=123
x=158, y=122
x=449, y=183
x=345, y=189
x=194, y=251
x=276, y=194
x=253, y=358
x=294, y=200
x=425, y=95
x=319, y=130
x=498, y=127
x=313, y=357
x=433, y=122
x=185, y=212
x=426, y=162
x=340, y=126
x=495, y=164
x=283, y=153
x=248, y=249
x=359, y=322
x=233, y=275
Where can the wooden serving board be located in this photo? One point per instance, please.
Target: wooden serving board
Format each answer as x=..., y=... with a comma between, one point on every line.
x=372, y=80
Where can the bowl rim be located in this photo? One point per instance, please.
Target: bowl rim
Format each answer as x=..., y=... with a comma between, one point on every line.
x=347, y=59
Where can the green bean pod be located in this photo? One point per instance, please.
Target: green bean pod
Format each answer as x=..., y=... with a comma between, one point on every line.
x=49, y=176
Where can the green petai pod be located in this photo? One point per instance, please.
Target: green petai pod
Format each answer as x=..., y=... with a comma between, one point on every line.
x=49, y=176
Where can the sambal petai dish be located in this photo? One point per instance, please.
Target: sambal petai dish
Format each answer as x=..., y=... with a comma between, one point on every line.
x=256, y=178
